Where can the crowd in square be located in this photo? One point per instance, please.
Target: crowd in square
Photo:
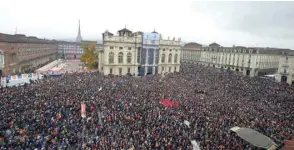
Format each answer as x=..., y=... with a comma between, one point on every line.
x=124, y=112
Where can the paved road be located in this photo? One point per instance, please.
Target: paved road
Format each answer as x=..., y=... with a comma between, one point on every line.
x=73, y=64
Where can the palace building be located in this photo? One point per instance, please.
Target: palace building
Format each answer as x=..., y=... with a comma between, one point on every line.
x=251, y=61
x=138, y=53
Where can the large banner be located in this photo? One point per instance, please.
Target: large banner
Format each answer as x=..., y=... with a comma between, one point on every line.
x=24, y=76
x=83, y=110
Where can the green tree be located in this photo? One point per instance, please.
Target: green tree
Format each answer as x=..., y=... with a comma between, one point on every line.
x=89, y=56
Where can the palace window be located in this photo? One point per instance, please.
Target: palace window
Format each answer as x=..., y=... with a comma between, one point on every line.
x=120, y=57
x=176, y=58
x=111, y=47
x=163, y=58
x=169, y=58
x=111, y=58
x=129, y=70
x=138, y=55
x=120, y=48
x=110, y=71
x=129, y=57
x=129, y=48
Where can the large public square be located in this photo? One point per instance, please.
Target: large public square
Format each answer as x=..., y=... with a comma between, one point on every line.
x=126, y=112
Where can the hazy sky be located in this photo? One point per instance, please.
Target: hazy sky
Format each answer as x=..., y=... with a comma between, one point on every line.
x=241, y=23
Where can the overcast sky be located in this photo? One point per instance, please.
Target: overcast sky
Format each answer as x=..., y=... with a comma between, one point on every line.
x=265, y=24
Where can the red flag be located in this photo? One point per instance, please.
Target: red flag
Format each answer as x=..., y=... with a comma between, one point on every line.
x=169, y=103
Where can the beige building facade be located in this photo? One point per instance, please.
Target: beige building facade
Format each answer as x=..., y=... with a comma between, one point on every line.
x=249, y=61
x=286, y=68
x=126, y=54
x=169, y=55
x=120, y=52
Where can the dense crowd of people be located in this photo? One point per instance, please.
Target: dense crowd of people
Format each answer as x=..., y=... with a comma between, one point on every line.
x=125, y=112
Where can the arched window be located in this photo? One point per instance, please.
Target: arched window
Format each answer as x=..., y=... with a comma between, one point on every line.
x=120, y=57
x=129, y=57
x=176, y=58
x=111, y=58
x=170, y=58
x=163, y=58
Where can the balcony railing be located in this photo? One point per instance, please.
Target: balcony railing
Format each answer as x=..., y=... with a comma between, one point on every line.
x=285, y=65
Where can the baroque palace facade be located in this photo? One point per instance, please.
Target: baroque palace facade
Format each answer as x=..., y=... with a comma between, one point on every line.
x=251, y=61
x=138, y=53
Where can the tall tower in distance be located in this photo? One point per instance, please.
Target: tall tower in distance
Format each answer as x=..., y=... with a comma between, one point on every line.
x=79, y=37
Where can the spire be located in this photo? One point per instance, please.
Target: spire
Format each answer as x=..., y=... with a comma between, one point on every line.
x=79, y=37
x=16, y=30
x=154, y=31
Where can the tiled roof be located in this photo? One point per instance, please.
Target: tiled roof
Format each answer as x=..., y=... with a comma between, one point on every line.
x=214, y=44
x=192, y=44
x=109, y=33
x=124, y=30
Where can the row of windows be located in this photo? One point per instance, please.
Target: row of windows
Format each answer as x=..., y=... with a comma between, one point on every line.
x=169, y=58
x=78, y=52
x=68, y=46
x=120, y=57
x=129, y=70
x=229, y=50
x=70, y=49
x=169, y=69
x=129, y=48
x=120, y=48
x=129, y=58
x=170, y=50
x=119, y=71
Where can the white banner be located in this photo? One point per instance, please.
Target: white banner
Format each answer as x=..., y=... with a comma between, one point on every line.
x=195, y=145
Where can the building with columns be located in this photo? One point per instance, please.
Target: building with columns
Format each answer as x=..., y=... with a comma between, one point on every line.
x=191, y=51
x=149, y=54
x=138, y=53
x=169, y=55
x=121, y=53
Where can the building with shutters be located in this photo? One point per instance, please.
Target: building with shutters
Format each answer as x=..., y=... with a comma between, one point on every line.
x=191, y=51
x=251, y=61
x=25, y=53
